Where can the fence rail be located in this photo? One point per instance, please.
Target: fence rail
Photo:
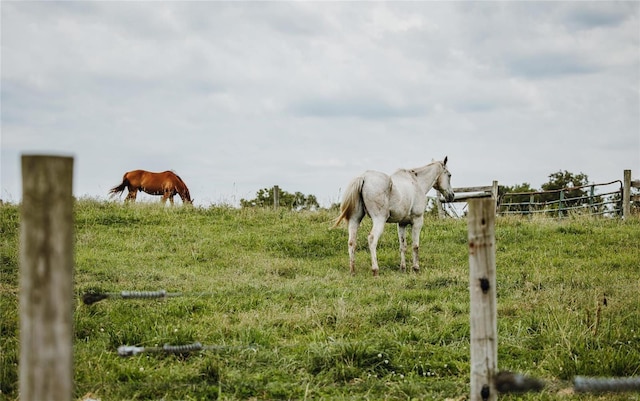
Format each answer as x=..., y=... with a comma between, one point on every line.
x=464, y=194
x=613, y=202
x=591, y=203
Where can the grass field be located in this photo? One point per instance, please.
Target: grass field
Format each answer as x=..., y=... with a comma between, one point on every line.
x=272, y=288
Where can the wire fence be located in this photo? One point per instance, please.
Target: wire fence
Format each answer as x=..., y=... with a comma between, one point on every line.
x=582, y=200
x=617, y=198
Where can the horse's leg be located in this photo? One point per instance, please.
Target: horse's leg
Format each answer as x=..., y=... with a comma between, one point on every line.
x=374, y=236
x=131, y=196
x=353, y=225
x=402, y=237
x=167, y=195
x=415, y=238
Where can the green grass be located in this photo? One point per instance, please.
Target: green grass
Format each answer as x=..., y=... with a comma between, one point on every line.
x=279, y=281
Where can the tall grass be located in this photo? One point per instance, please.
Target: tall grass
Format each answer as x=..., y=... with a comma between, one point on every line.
x=274, y=287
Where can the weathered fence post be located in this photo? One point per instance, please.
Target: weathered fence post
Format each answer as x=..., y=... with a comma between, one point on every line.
x=482, y=289
x=560, y=204
x=46, y=279
x=626, y=195
x=276, y=196
x=532, y=200
x=495, y=190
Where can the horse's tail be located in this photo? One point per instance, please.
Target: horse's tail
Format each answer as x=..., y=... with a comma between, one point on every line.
x=351, y=200
x=118, y=189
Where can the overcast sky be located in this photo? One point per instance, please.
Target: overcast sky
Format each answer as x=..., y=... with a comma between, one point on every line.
x=240, y=96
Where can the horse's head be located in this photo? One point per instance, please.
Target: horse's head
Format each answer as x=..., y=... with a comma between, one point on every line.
x=443, y=183
x=185, y=195
x=186, y=198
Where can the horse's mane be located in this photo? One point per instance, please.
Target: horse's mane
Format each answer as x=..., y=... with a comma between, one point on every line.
x=180, y=179
x=177, y=176
x=417, y=169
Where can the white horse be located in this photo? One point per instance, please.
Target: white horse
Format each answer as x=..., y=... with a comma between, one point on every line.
x=400, y=198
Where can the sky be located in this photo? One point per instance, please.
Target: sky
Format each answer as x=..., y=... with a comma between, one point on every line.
x=240, y=96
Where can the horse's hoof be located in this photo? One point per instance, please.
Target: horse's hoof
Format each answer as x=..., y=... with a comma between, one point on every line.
x=375, y=273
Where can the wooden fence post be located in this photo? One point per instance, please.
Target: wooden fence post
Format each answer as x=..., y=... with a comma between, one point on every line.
x=276, y=196
x=495, y=190
x=560, y=204
x=626, y=195
x=46, y=279
x=482, y=289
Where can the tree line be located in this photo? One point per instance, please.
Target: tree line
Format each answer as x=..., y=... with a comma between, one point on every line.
x=295, y=201
x=576, y=193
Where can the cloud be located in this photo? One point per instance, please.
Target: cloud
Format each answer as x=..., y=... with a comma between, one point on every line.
x=240, y=96
x=365, y=107
x=594, y=15
x=546, y=65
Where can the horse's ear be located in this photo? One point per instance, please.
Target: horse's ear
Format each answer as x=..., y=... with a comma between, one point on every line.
x=445, y=160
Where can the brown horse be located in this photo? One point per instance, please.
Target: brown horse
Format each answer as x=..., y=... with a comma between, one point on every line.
x=168, y=184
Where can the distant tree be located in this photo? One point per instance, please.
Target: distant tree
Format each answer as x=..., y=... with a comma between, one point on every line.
x=296, y=201
x=577, y=191
x=524, y=187
x=515, y=194
x=565, y=179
